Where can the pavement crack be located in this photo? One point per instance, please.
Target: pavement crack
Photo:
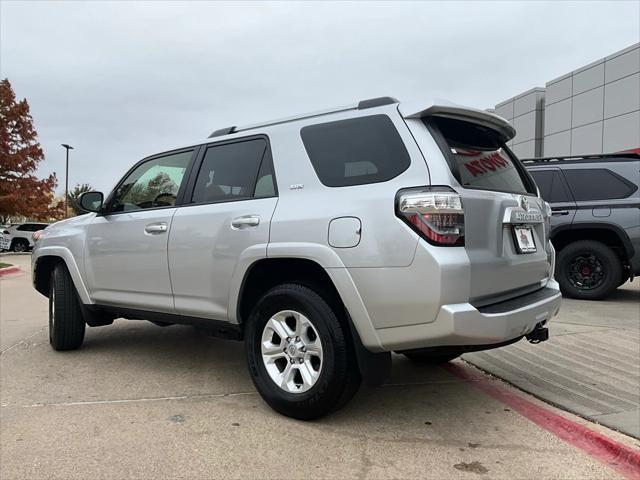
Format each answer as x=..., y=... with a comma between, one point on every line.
x=130, y=400
x=22, y=341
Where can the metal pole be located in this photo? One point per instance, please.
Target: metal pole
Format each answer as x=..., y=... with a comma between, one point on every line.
x=66, y=180
x=66, y=186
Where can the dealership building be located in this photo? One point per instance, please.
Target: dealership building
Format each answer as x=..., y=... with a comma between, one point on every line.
x=594, y=109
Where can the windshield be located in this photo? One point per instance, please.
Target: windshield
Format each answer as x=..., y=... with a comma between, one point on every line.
x=478, y=158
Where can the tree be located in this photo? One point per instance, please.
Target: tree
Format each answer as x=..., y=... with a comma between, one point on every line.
x=74, y=198
x=21, y=192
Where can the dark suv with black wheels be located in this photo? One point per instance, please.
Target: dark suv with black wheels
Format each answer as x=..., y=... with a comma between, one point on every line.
x=595, y=222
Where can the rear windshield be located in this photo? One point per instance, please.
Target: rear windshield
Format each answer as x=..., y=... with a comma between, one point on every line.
x=478, y=158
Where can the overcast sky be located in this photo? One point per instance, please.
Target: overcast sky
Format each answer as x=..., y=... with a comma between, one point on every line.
x=122, y=80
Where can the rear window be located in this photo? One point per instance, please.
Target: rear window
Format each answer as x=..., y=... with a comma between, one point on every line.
x=597, y=184
x=478, y=158
x=356, y=151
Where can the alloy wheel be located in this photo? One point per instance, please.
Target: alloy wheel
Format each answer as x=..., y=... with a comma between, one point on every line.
x=292, y=351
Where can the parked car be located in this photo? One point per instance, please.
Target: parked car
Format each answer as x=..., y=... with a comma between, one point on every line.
x=325, y=241
x=595, y=223
x=18, y=238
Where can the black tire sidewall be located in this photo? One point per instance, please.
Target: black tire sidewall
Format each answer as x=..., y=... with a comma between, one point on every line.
x=66, y=325
x=610, y=263
x=326, y=393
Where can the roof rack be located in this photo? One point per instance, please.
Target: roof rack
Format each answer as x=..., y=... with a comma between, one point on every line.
x=362, y=105
x=583, y=158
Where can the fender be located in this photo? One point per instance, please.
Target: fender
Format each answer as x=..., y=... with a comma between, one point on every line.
x=66, y=255
x=327, y=259
x=619, y=231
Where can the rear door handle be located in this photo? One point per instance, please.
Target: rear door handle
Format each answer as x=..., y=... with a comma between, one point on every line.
x=557, y=213
x=156, y=228
x=247, y=221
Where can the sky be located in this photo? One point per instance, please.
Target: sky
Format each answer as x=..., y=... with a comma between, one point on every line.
x=123, y=80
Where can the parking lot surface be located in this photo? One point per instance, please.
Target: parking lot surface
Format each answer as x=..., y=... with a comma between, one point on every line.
x=589, y=366
x=141, y=401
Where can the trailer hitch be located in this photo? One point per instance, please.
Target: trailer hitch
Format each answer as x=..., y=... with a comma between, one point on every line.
x=538, y=334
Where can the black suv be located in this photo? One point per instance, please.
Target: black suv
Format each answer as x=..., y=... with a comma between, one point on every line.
x=595, y=223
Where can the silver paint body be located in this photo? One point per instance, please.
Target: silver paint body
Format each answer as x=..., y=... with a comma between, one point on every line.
x=400, y=291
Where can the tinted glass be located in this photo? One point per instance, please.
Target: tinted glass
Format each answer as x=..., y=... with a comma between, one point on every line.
x=153, y=184
x=479, y=159
x=229, y=172
x=597, y=184
x=356, y=151
x=552, y=188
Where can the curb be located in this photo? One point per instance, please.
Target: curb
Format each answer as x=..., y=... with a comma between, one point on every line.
x=619, y=457
x=9, y=271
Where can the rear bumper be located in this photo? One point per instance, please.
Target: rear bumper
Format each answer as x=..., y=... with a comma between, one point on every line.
x=463, y=324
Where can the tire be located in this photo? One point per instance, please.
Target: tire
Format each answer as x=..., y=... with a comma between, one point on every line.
x=66, y=324
x=305, y=314
x=20, y=246
x=588, y=270
x=430, y=358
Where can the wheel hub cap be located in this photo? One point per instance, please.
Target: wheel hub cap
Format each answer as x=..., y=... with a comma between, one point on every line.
x=292, y=351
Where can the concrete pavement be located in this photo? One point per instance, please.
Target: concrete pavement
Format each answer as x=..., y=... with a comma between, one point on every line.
x=589, y=366
x=141, y=401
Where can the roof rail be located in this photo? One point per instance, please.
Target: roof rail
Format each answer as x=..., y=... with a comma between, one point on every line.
x=363, y=104
x=579, y=158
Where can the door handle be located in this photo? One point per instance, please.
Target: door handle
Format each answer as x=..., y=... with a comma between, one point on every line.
x=156, y=228
x=557, y=213
x=246, y=221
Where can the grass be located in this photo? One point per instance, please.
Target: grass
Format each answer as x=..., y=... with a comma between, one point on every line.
x=4, y=265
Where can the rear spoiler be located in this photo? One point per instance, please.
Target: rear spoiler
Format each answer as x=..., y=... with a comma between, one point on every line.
x=457, y=112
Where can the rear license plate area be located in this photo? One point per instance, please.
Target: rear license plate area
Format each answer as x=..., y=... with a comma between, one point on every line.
x=523, y=239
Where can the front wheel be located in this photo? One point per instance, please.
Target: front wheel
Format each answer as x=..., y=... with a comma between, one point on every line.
x=300, y=356
x=20, y=246
x=588, y=270
x=66, y=324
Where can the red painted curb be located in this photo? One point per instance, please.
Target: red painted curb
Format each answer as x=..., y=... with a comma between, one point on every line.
x=9, y=271
x=623, y=459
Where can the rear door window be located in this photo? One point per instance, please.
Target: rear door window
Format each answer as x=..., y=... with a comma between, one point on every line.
x=551, y=185
x=478, y=158
x=356, y=151
x=235, y=171
x=597, y=184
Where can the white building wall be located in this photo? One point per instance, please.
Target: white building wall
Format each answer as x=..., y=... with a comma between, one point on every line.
x=594, y=109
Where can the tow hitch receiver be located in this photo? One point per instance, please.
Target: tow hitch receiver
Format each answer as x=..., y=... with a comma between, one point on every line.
x=538, y=334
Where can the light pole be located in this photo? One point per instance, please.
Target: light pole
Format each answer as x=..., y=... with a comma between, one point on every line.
x=66, y=179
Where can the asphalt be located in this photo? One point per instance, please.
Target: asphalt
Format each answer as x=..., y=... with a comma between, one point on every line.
x=141, y=401
x=590, y=365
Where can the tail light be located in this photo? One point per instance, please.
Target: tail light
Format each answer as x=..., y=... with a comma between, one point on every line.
x=435, y=213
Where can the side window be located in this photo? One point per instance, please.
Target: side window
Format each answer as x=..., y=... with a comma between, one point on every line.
x=23, y=228
x=597, y=184
x=355, y=151
x=235, y=171
x=551, y=186
x=153, y=184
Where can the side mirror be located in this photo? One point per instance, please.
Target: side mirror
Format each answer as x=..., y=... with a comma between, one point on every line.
x=91, y=201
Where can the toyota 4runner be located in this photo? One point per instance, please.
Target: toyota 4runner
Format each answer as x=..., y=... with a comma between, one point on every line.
x=325, y=242
x=595, y=222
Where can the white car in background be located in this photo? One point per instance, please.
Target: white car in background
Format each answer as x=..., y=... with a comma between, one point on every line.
x=18, y=238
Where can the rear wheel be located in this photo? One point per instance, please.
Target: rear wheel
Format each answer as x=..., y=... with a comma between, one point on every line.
x=588, y=270
x=66, y=324
x=300, y=356
x=20, y=246
x=430, y=358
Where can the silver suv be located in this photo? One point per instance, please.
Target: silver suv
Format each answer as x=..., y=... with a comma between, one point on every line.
x=325, y=241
